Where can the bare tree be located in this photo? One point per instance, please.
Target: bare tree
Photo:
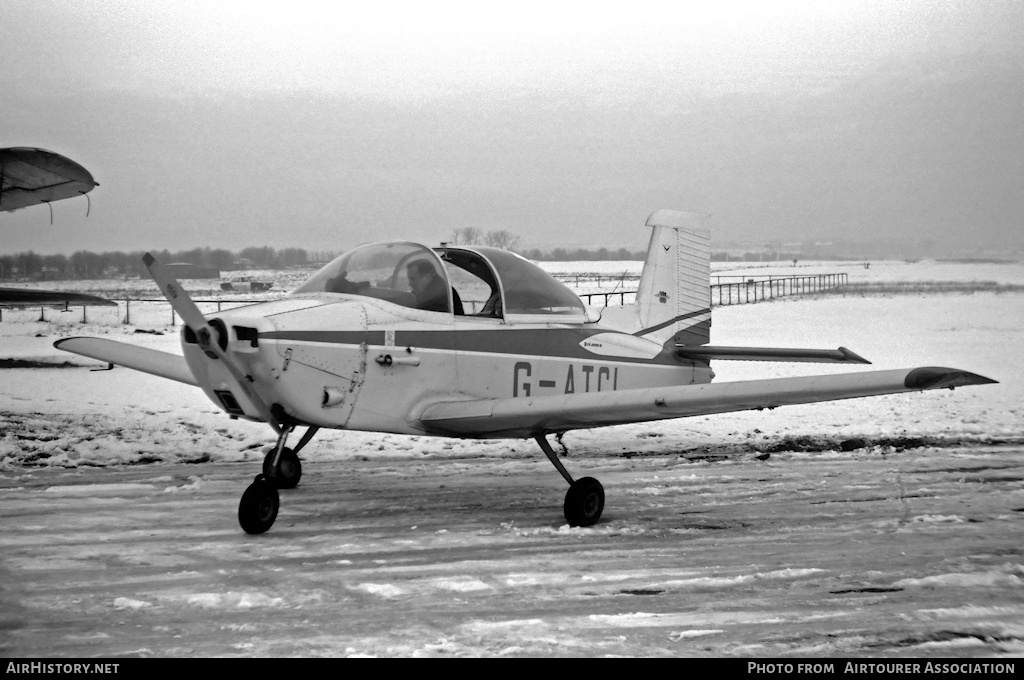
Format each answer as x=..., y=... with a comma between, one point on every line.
x=466, y=236
x=501, y=239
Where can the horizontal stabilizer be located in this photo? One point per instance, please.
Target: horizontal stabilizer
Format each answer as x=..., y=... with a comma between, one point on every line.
x=821, y=356
x=163, y=364
x=530, y=416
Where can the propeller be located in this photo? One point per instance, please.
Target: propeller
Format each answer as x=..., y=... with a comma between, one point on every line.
x=211, y=336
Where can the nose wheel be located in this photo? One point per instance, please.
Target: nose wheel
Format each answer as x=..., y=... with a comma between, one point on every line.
x=259, y=505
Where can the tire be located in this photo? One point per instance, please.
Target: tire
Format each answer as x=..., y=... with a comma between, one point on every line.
x=288, y=471
x=258, y=508
x=584, y=502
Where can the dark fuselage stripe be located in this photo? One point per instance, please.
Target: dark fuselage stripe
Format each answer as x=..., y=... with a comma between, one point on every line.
x=329, y=337
x=545, y=342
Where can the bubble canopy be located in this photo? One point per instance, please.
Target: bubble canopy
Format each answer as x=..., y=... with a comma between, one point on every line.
x=477, y=281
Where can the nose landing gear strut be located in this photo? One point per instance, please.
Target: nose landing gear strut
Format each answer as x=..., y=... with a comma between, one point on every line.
x=281, y=470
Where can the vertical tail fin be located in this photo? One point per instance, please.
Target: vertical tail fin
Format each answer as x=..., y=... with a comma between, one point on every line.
x=674, y=297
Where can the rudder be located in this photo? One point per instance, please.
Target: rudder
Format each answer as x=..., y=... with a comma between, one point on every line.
x=674, y=297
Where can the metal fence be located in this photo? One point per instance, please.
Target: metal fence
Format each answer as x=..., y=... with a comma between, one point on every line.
x=754, y=289
x=610, y=297
x=744, y=289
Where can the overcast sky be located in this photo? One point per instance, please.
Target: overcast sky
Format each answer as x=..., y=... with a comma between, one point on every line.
x=324, y=125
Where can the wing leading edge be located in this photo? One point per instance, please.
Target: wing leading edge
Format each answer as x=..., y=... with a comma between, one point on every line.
x=163, y=364
x=524, y=417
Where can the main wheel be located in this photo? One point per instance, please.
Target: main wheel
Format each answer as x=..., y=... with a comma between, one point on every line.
x=258, y=508
x=584, y=502
x=288, y=472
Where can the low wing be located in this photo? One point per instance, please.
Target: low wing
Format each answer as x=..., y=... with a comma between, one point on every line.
x=821, y=356
x=530, y=416
x=163, y=364
x=31, y=176
x=28, y=296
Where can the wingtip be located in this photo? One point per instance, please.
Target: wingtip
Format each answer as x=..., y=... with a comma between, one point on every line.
x=936, y=377
x=58, y=343
x=148, y=259
x=852, y=357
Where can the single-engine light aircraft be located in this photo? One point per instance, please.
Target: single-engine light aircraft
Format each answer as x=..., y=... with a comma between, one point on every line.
x=478, y=342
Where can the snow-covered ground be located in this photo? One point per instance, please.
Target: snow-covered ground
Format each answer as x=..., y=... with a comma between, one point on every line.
x=120, y=489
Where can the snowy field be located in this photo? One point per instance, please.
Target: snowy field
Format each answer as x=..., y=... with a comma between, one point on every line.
x=883, y=526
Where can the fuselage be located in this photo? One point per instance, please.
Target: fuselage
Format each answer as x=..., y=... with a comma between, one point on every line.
x=354, y=362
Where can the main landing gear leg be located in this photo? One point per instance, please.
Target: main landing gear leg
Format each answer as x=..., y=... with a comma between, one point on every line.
x=281, y=469
x=584, y=501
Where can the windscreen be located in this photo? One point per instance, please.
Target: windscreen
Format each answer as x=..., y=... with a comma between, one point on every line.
x=407, y=274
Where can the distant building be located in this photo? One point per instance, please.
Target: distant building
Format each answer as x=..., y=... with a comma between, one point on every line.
x=185, y=270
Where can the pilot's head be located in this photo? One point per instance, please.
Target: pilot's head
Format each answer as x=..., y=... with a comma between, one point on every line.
x=420, y=272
